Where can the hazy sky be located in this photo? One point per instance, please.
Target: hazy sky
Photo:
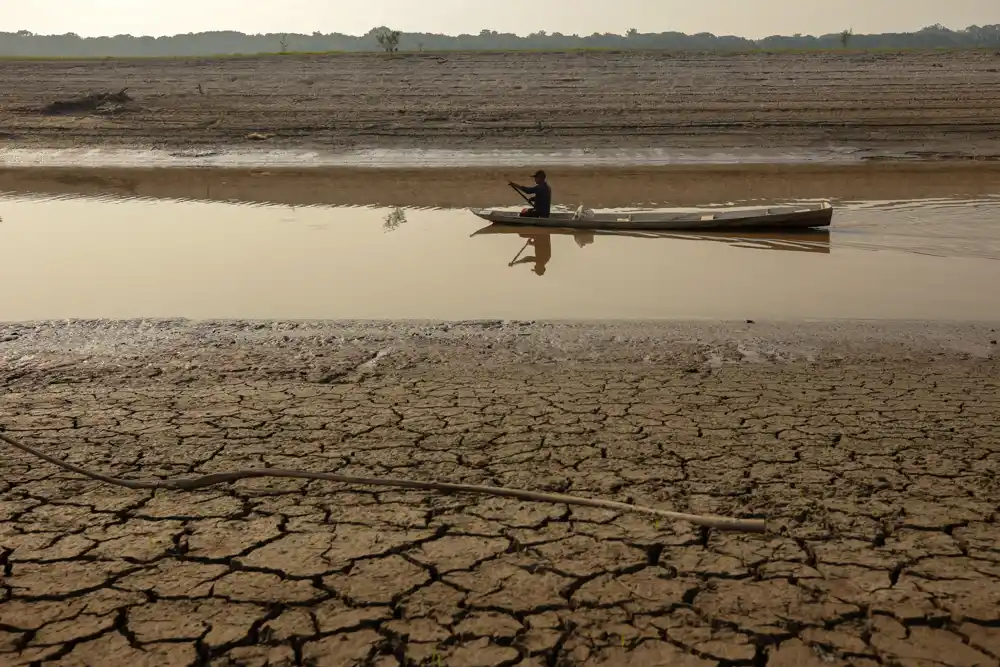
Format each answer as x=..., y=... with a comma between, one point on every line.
x=722, y=17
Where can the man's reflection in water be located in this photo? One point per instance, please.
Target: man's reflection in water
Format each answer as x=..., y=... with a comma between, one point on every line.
x=542, y=244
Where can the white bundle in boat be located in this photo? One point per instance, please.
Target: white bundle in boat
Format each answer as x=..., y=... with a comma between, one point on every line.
x=583, y=213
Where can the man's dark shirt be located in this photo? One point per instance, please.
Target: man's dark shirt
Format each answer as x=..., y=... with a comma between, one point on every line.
x=543, y=198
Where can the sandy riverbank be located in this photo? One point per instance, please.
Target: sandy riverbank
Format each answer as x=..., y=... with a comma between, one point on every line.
x=915, y=104
x=870, y=448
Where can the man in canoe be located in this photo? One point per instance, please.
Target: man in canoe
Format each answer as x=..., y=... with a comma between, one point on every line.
x=542, y=200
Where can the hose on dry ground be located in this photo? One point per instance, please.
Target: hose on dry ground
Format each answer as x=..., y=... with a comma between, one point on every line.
x=192, y=483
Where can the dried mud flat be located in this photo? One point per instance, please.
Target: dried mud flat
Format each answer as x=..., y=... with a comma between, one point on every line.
x=922, y=105
x=871, y=449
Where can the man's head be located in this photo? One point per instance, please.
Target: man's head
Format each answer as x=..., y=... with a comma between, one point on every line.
x=539, y=177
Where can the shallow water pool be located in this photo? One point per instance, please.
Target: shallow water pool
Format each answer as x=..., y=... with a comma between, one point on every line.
x=79, y=257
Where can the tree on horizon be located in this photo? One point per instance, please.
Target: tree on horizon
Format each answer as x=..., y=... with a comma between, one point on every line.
x=388, y=39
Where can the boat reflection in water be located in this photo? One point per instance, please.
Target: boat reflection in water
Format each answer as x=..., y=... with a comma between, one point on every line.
x=538, y=243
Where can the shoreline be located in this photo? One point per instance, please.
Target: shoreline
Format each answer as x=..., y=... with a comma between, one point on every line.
x=376, y=159
x=205, y=351
x=623, y=341
x=433, y=157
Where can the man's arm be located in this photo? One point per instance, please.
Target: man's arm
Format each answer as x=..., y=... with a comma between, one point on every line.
x=527, y=189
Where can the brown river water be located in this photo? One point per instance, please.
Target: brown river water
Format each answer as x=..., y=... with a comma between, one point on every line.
x=70, y=256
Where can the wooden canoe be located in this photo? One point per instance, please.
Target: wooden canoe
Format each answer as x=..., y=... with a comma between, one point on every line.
x=803, y=216
x=801, y=240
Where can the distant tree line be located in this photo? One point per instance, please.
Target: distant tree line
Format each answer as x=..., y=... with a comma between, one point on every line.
x=24, y=43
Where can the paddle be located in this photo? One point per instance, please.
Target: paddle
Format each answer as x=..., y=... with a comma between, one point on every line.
x=523, y=196
x=518, y=255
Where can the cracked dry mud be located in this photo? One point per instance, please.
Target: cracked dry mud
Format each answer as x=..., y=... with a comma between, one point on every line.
x=875, y=459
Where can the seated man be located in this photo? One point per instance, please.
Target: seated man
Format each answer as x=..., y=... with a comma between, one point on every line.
x=541, y=202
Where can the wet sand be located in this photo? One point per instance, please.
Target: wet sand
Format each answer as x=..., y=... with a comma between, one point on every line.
x=912, y=105
x=870, y=449
x=688, y=185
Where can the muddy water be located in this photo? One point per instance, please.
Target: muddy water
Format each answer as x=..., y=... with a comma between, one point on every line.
x=123, y=258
